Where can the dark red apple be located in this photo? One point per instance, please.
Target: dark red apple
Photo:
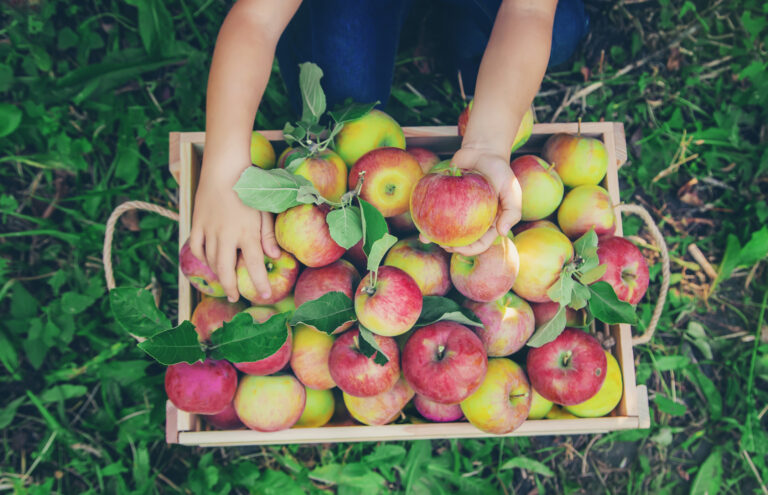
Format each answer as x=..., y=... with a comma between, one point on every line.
x=205, y=387
x=357, y=374
x=226, y=419
x=626, y=269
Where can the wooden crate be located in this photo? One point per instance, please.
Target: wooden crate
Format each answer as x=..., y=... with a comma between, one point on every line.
x=632, y=412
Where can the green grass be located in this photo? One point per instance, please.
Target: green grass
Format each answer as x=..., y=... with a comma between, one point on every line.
x=99, y=85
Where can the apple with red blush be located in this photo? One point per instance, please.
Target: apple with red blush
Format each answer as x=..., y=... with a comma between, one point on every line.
x=358, y=375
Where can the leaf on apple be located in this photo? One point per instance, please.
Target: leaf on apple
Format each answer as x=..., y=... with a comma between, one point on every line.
x=350, y=112
x=606, y=307
x=579, y=297
x=244, y=340
x=378, y=250
x=136, y=312
x=273, y=190
x=549, y=331
x=295, y=159
x=593, y=275
x=374, y=225
x=293, y=134
x=345, y=226
x=326, y=313
x=177, y=345
x=370, y=348
x=584, y=244
x=311, y=92
x=562, y=290
x=437, y=308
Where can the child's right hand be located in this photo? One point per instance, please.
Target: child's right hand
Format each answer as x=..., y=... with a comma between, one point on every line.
x=222, y=224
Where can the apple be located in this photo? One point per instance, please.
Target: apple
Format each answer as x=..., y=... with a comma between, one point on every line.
x=357, y=256
x=523, y=132
x=454, y=207
x=391, y=306
x=211, y=313
x=578, y=160
x=388, y=175
x=281, y=275
x=568, y=370
x=508, y=323
x=586, y=207
x=543, y=254
x=199, y=273
x=318, y=410
x=204, y=387
x=557, y=412
x=489, y=275
x=339, y=276
x=358, y=375
x=285, y=305
x=503, y=400
x=541, y=186
x=326, y=171
x=540, y=406
x=427, y=264
x=402, y=224
x=607, y=398
x=445, y=362
x=262, y=152
x=269, y=403
x=380, y=409
x=283, y=158
x=309, y=357
x=434, y=411
x=374, y=130
x=275, y=362
x=226, y=419
x=427, y=159
x=303, y=232
x=626, y=269
x=543, y=312
x=523, y=226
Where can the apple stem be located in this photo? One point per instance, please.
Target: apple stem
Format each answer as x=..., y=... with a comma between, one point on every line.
x=567, y=357
x=455, y=172
x=360, y=179
x=578, y=128
x=270, y=266
x=440, y=351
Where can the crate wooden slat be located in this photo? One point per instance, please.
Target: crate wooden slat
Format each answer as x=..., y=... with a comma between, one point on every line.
x=186, y=151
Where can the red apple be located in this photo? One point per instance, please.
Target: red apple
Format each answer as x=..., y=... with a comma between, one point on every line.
x=205, y=387
x=226, y=419
x=211, y=313
x=379, y=409
x=508, y=323
x=309, y=357
x=281, y=275
x=626, y=269
x=358, y=375
x=389, y=176
x=339, y=276
x=199, y=273
x=578, y=160
x=402, y=224
x=445, y=362
x=434, y=411
x=391, y=306
x=489, y=275
x=426, y=158
x=568, y=370
x=275, y=362
x=586, y=207
x=523, y=226
x=303, y=232
x=545, y=311
x=541, y=186
x=357, y=256
x=454, y=207
x=426, y=263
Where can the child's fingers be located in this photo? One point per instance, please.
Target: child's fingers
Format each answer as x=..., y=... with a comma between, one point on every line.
x=225, y=269
x=511, y=203
x=268, y=240
x=479, y=246
x=196, y=240
x=210, y=252
x=254, y=262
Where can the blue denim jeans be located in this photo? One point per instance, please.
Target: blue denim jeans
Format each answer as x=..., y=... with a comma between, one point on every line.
x=355, y=42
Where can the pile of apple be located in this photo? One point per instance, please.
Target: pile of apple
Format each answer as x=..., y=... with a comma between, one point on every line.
x=470, y=362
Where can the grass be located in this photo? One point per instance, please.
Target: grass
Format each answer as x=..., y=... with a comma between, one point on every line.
x=99, y=85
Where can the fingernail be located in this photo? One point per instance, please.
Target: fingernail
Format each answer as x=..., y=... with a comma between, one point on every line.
x=265, y=295
x=232, y=299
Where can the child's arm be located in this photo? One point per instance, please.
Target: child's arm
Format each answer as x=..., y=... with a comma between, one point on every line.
x=242, y=62
x=510, y=73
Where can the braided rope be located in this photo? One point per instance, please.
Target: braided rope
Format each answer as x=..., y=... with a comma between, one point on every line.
x=110, y=232
x=665, y=273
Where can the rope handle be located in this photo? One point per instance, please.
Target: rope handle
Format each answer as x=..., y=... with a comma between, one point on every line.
x=665, y=273
x=623, y=208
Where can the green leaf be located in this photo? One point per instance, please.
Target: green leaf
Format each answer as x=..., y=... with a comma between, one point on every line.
x=63, y=392
x=562, y=290
x=10, y=118
x=370, y=348
x=73, y=303
x=730, y=260
x=714, y=398
x=127, y=160
x=385, y=455
x=667, y=405
x=584, y=244
x=378, y=250
x=155, y=26
x=9, y=412
x=528, y=464
x=345, y=226
x=606, y=307
x=549, y=331
x=593, y=275
x=441, y=166
x=6, y=77
x=273, y=190
x=135, y=311
x=670, y=363
x=436, y=308
x=177, y=345
x=8, y=355
x=353, y=111
x=580, y=296
x=374, y=225
x=311, y=92
x=709, y=477
x=696, y=334
x=293, y=134
x=755, y=249
x=326, y=313
x=243, y=340
x=296, y=159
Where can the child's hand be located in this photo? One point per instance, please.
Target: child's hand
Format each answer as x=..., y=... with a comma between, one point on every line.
x=496, y=169
x=222, y=224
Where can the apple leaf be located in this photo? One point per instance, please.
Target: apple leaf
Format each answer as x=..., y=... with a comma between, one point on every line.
x=606, y=307
x=562, y=290
x=293, y=134
x=709, y=477
x=351, y=112
x=345, y=226
x=244, y=340
x=669, y=406
x=593, y=275
x=311, y=92
x=440, y=166
x=370, y=348
x=136, y=312
x=378, y=250
x=436, y=308
x=580, y=296
x=295, y=159
x=273, y=190
x=326, y=313
x=177, y=345
x=374, y=225
x=549, y=331
x=584, y=244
